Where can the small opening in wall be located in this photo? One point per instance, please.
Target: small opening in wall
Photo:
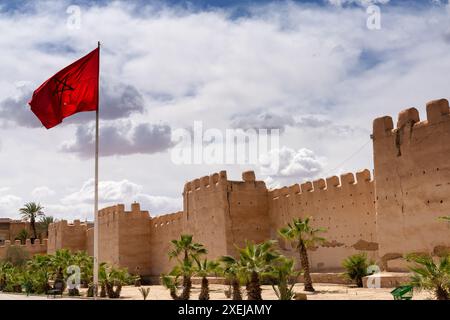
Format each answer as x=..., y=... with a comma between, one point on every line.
x=424, y=172
x=428, y=201
x=442, y=201
x=437, y=169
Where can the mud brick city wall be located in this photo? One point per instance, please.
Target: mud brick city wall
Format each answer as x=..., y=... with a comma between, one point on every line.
x=343, y=206
x=30, y=249
x=412, y=169
x=388, y=215
x=67, y=235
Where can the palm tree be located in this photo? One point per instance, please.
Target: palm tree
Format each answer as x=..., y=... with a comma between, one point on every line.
x=39, y=268
x=431, y=276
x=22, y=236
x=284, y=275
x=86, y=264
x=356, y=267
x=255, y=261
x=231, y=271
x=205, y=268
x=44, y=223
x=5, y=269
x=115, y=279
x=184, y=269
x=184, y=250
x=301, y=232
x=445, y=218
x=30, y=212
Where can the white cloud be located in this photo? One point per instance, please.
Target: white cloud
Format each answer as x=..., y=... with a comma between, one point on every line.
x=42, y=193
x=286, y=164
x=315, y=64
x=9, y=205
x=126, y=192
x=340, y=3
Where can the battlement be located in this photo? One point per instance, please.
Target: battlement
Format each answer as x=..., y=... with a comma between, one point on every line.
x=66, y=224
x=31, y=248
x=331, y=183
x=205, y=182
x=166, y=220
x=438, y=111
x=118, y=210
x=28, y=245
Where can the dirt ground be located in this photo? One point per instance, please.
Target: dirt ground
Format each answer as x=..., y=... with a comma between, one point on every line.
x=323, y=292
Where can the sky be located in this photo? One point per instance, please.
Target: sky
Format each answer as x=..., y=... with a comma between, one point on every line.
x=311, y=69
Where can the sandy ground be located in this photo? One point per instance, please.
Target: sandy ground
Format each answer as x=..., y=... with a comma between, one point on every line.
x=323, y=292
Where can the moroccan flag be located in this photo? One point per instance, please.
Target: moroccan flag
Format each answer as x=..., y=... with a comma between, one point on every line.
x=73, y=89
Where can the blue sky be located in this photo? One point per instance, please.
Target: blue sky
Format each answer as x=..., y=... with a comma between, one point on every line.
x=313, y=70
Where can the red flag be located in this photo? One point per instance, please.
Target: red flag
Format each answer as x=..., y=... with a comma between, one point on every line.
x=73, y=89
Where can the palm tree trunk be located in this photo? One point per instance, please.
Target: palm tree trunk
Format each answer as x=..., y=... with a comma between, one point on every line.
x=187, y=285
x=204, y=292
x=254, y=288
x=33, y=226
x=236, y=289
x=359, y=282
x=441, y=294
x=173, y=294
x=305, y=266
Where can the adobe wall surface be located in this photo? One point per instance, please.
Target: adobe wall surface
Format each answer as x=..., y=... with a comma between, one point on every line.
x=412, y=169
x=108, y=234
x=32, y=249
x=205, y=213
x=134, y=240
x=248, y=216
x=343, y=206
x=9, y=229
x=124, y=238
x=163, y=229
x=388, y=216
x=71, y=236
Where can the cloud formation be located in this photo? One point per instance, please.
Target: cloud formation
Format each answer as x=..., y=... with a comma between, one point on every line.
x=365, y=3
x=262, y=119
x=318, y=64
x=41, y=193
x=120, y=138
x=286, y=165
x=9, y=203
x=124, y=191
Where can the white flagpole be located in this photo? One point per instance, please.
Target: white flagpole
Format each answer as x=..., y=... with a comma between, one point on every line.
x=96, y=185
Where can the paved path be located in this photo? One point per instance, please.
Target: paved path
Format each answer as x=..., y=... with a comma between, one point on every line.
x=8, y=296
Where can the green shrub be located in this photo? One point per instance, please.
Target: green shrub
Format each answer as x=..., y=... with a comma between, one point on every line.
x=356, y=267
x=431, y=276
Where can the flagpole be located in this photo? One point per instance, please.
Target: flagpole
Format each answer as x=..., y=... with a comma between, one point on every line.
x=96, y=185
